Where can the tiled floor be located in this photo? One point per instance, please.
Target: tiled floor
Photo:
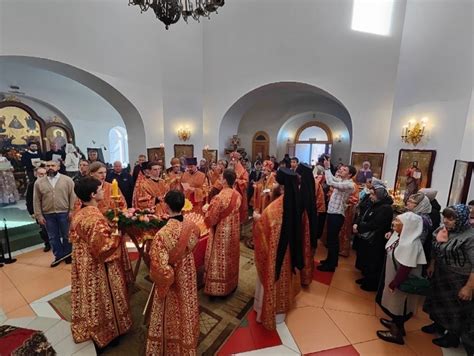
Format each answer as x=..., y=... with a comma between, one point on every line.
x=58, y=333
x=331, y=317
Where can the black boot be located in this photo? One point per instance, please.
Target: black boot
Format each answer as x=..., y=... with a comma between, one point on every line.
x=433, y=329
x=47, y=247
x=388, y=324
x=447, y=340
x=394, y=335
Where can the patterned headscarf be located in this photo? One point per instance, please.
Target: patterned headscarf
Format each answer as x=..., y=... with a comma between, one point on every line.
x=462, y=217
x=267, y=164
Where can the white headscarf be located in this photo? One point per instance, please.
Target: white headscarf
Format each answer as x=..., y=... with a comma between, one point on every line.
x=70, y=148
x=409, y=251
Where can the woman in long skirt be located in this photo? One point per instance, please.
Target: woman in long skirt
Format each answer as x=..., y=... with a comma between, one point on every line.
x=450, y=305
x=405, y=257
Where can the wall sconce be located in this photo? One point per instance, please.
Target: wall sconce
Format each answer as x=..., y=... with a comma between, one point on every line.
x=162, y=145
x=206, y=147
x=339, y=138
x=184, y=133
x=414, y=131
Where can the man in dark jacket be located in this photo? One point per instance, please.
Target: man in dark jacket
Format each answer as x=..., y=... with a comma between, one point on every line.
x=124, y=180
x=254, y=177
x=30, y=158
x=138, y=167
x=38, y=173
x=83, y=170
x=56, y=154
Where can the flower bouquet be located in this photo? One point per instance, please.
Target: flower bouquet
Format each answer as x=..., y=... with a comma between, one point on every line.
x=141, y=224
x=188, y=206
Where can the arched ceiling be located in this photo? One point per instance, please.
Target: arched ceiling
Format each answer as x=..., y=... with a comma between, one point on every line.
x=71, y=90
x=279, y=102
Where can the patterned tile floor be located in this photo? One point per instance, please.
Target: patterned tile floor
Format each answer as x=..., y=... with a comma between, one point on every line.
x=331, y=317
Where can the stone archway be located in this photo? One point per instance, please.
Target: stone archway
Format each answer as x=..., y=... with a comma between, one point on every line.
x=128, y=112
x=270, y=107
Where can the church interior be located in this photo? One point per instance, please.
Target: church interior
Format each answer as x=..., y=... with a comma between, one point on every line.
x=150, y=90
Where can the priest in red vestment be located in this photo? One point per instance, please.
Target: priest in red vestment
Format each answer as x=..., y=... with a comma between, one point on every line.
x=262, y=194
x=174, y=320
x=99, y=300
x=173, y=177
x=308, y=211
x=150, y=192
x=99, y=171
x=278, y=252
x=223, y=247
x=241, y=184
x=193, y=182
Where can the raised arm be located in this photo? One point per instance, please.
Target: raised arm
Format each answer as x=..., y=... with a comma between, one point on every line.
x=342, y=186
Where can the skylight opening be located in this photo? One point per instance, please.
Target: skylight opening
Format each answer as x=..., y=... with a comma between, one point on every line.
x=372, y=16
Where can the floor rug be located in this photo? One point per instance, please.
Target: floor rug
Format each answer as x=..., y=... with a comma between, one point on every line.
x=19, y=341
x=218, y=318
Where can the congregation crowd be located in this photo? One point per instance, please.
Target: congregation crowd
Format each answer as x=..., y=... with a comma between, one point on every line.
x=293, y=207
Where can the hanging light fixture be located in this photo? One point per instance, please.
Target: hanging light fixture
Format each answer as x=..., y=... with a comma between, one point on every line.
x=170, y=11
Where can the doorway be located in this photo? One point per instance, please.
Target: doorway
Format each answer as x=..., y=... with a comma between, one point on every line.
x=260, y=145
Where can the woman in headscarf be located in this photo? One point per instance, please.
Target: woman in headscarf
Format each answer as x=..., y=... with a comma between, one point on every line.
x=420, y=204
x=404, y=257
x=450, y=304
x=435, y=217
x=375, y=221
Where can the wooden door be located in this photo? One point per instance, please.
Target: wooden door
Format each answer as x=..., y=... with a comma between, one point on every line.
x=260, y=145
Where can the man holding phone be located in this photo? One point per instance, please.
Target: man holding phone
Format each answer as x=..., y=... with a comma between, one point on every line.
x=343, y=188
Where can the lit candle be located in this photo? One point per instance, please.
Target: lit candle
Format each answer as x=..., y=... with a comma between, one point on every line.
x=115, y=189
x=404, y=130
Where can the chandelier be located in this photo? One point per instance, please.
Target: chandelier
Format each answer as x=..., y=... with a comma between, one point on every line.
x=170, y=11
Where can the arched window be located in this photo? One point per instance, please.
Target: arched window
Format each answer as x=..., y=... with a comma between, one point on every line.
x=118, y=145
x=312, y=140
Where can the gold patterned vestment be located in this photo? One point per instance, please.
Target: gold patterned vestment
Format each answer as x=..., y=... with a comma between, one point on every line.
x=308, y=252
x=107, y=204
x=147, y=193
x=99, y=299
x=320, y=202
x=278, y=296
x=346, y=231
x=174, y=180
x=215, y=182
x=262, y=194
x=198, y=196
x=241, y=184
x=223, y=247
x=174, y=321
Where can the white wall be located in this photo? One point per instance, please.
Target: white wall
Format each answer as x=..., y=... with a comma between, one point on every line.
x=192, y=74
x=268, y=41
x=467, y=149
x=434, y=80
